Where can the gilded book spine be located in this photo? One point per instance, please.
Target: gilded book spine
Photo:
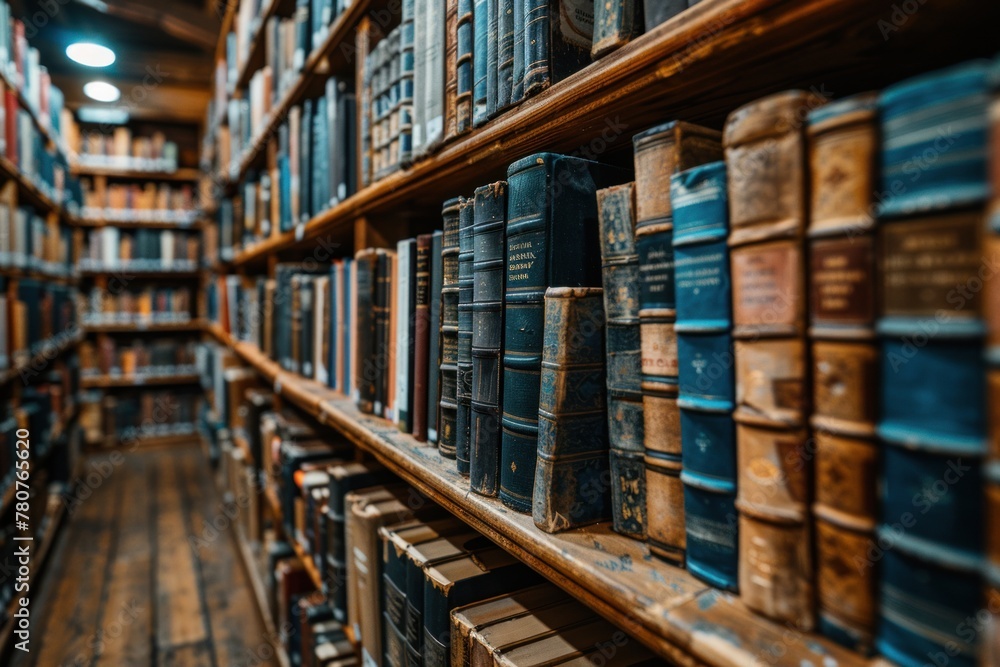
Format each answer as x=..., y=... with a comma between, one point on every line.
x=449, y=327
x=463, y=420
x=570, y=488
x=765, y=157
x=659, y=153
x=843, y=143
x=933, y=416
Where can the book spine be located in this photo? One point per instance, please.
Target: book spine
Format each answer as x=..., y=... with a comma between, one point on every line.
x=451, y=69
x=383, y=333
x=572, y=469
x=464, y=67
x=616, y=23
x=434, y=92
x=421, y=335
x=706, y=386
x=490, y=222
x=505, y=53
x=843, y=144
x=407, y=84
x=492, y=57
x=620, y=268
x=658, y=11
x=480, y=61
x=463, y=394
x=434, y=355
x=537, y=76
x=764, y=143
x=517, y=71
x=364, y=364
x=405, y=297
x=449, y=330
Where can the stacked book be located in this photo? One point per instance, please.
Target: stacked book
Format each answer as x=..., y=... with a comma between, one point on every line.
x=141, y=250
x=109, y=357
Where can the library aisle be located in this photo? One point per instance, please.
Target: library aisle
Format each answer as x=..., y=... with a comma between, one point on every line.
x=125, y=586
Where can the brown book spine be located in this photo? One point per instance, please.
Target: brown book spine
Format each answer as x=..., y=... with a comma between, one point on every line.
x=765, y=158
x=843, y=145
x=450, y=69
x=659, y=153
x=421, y=336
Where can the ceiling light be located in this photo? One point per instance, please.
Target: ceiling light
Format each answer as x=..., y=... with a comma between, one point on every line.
x=102, y=91
x=104, y=115
x=90, y=54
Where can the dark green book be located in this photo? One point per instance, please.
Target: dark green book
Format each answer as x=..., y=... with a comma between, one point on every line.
x=449, y=329
x=463, y=393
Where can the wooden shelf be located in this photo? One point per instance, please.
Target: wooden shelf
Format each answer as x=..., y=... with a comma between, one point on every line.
x=110, y=381
x=255, y=54
x=182, y=174
x=105, y=221
x=146, y=327
x=50, y=137
x=50, y=350
x=664, y=606
x=171, y=440
x=127, y=271
x=29, y=190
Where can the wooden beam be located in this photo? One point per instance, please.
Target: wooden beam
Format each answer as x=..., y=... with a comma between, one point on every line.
x=186, y=24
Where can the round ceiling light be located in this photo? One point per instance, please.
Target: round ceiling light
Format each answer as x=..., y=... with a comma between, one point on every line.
x=90, y=54
x=102, y=91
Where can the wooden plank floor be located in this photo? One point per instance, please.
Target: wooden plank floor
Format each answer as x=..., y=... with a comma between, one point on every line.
x=127, y=584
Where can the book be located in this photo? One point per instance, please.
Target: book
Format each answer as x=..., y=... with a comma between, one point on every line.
x=434, y=348
x=558, y=35
x=449, y=331
x=573, y=461
x=581, y=644
x=505, y=53
x=616, y=23
x=539, y=215
x=766, y=144
x=492, y=57
x=658, y=11
x=480, y=62
x=537, y=624
x=489, y=228
x=422, y=335
x=464, y=67
x=706, y=386
x=450, y=69
x=463, y=391
x=408, y=89
x=406, y=252
x=933, y=571
x=620, y=274
x=366, y=263
x=661, y=152
x=843, y=146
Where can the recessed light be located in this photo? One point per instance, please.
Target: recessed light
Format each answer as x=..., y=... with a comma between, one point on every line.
x=102, y=91
x=90, y=54
x=105, y=115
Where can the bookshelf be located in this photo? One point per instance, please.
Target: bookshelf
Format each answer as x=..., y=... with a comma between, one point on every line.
x=181, y=174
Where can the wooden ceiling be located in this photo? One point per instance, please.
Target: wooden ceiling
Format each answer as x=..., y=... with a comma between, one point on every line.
x=164, y=50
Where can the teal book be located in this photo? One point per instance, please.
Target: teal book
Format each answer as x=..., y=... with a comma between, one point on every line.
x=463, y=419
x=616, y=23
x=558, y=35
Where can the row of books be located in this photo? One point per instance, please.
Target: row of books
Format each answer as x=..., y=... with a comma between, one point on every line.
x=33, y=317
x=109, y=356
x=38, y=410
x=159, y=249
x=31, y=242
x=150, y=201
x=451, y=66
x=120, y=149
x=138, y=306
x=143, y=414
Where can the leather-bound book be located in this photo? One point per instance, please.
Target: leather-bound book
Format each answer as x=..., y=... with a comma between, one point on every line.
x=843, y=144
x=552, y=240
x=480, y=60
x=616, y=23
x=540, y=623
x=463, y=394
x=434, y=342
x=572, y=467
x=620, y=270
x=492, y=56
x=578, y=645
x=450, y=69
x=464, y=67
x=558, y=35
x=383, y=331
x=505, y=53
x=661, y=152
x=421, y=335
x=991, y=653
x=658, y=11
x=706, y=386
x=449, y=328
x=404, y=304
x=490, y=226
x=366, y=262
x=768, y=206
x=933, y=417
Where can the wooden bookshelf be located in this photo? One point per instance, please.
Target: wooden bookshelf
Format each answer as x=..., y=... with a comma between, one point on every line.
x=181, y=174
x=51, y=138
x=118, y=381
x=148, y=441
x=255, y=55
x=662, y=605
x=30, y=191
x=133, y=223
x=51, y=349
x=127, y=271
x=193, y=325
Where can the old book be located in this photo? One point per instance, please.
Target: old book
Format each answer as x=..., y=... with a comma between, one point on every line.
x=364, y=366
x=463, y=392
x=658, y=11
x=489, y=236
x=405, y=300
x=620, y=270
x=933, y=418
x=464, y=67
x=541, y=623
x=422, y=336
x=480, y=61
x=492, y=56
x=558, y=35
x=616, y=23
x=407, y=80
x=505, y=53
x=434, y=342
x=449, y=329
x=384, y=352
x=765, y=156
x=585, y=643
x=706, y=386
x=450, y=69
x=552, y=240
x=843, y=144
x=572, y=468
x=661, y=152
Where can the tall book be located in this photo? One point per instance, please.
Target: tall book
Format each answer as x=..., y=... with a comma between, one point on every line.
x=405, y=302
x=492, y=56
x=505, y=53
x=407, y=79
x=661, y=152
x=366, y=263
x=450, y=69
x=422, y=333
x=768, y=206
x=552, y=240
x=706, y=386
x=434, y=343
x=558, y=35
x=620, y=271
x=480, y=28
x=463, y=392
x=464, y=67
x=616, y=23
x=449, y=330
x=490, y=226
x=932, y=421
x=572, y=469
x=843, y=145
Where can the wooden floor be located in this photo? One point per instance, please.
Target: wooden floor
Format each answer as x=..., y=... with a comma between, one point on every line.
x=127, y=584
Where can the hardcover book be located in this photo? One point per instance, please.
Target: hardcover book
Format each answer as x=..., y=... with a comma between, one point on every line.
x=464, y=67
x=765, y=156
x=551, y=199
x=480, y=60
x=463, y=392
x=661, y=152
x=422, y=333
x=616, y=23
x=558, y=35
x=449, y=329
x=570, y=488
x=406, y=252
x=434, y=343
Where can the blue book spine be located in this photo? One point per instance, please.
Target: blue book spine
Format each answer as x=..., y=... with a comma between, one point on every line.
x=463, y=392
x=480, y=60
x=706, y=383
x=505, y=53
x=406, y=49
x=492, y=57
x=464, y=66
x=334, y=299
